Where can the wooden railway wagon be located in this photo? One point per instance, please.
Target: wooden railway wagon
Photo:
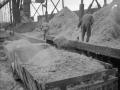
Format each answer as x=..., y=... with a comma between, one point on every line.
x=92, y=81
x=103, y=80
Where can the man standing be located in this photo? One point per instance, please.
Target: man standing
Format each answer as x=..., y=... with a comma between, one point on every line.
x=86, y=22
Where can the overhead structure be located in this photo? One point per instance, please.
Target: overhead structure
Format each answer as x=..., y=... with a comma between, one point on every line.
x=89, y=8
x=55, y=7
x=81, y=7
x=26, y=7
x=15, y=5
x=4, y=2
x=44, y=5
x=4, y=10
x=40, y=1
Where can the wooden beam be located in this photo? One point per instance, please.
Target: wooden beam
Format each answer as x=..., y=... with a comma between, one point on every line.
x=26, y=7
x=54, y=6
x=37, y=10
x=3, y=3
x=54, y=9
x=76, y=80
x=34, y=8
x=10, y=8
x=99, y=6
x=63, y=4
x=96, y=49
x=81, y=1
x=46, y=12
x=89, y=8
x=105, y=2
x=81, y=10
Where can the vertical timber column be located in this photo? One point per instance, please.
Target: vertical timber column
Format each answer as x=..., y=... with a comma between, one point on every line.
x=63, y=4
x=26, y=7
x=10, y=8
x=105, y=2
x=46, y=12
x=13, y=11
x=81, y=10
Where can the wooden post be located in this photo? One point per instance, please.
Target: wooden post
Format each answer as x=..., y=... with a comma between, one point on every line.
x=63, y=3
x=81, y=10
x=10, y=11
x=46, y=13
x=3, y=3
x=89, y=8
x=81, y=1
x=105, y=2
x=99, y=6
x=26, y=7
x=16, y=11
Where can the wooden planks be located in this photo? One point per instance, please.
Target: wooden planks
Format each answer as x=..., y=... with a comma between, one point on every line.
x=101, y=50
x=4, y=2
x=111, y=84
x=77, y=80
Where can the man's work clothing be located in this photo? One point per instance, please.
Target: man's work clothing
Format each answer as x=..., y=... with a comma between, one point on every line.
x=86, y=23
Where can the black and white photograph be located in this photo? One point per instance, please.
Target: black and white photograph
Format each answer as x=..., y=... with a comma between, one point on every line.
x=59, y=44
